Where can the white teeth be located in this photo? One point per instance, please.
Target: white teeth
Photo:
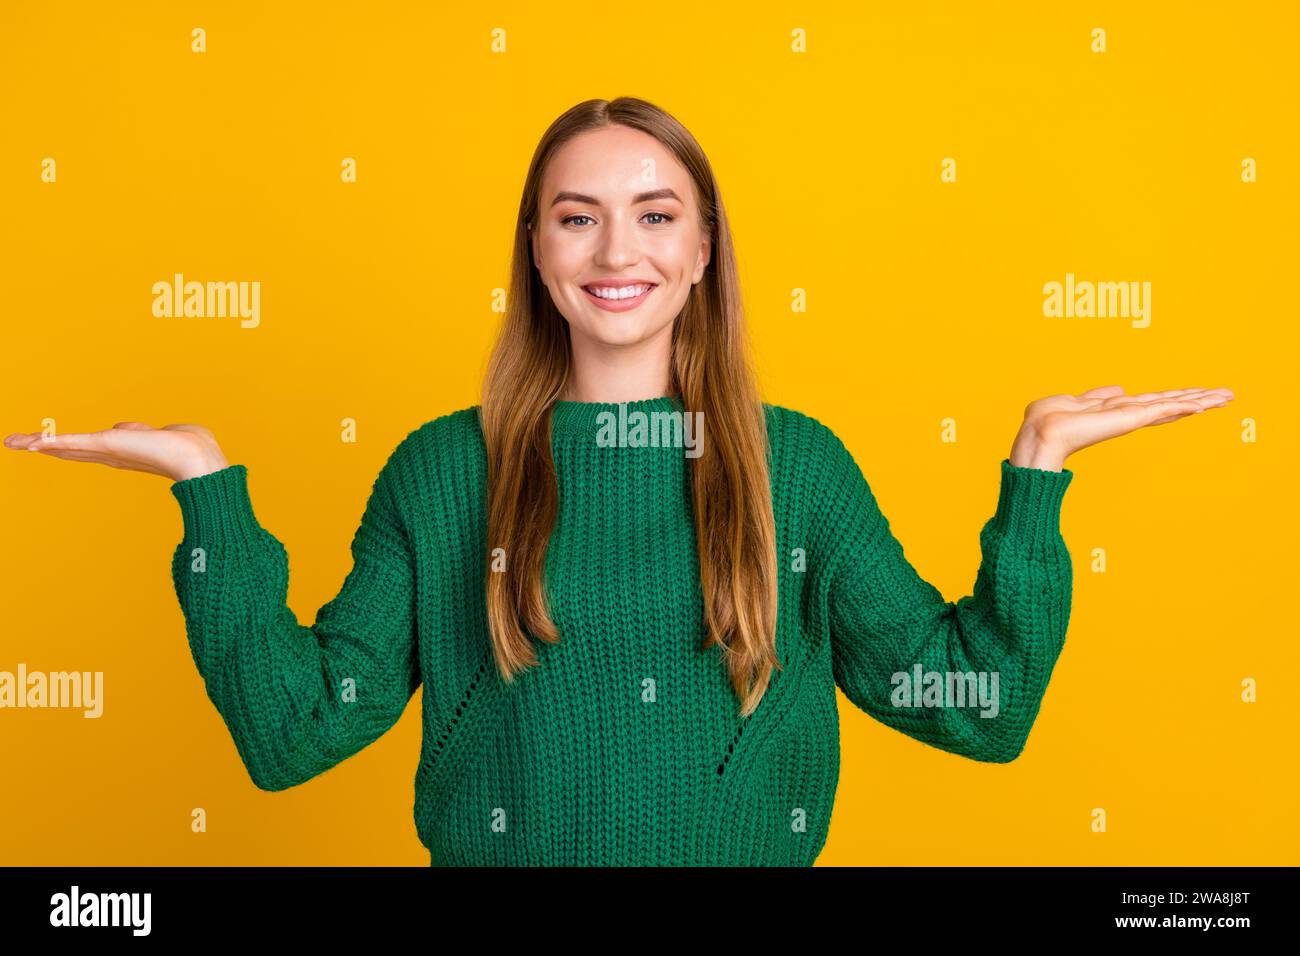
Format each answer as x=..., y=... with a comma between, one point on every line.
x=627, y=292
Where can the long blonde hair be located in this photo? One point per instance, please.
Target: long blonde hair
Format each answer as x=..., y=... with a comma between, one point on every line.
x=710, y=373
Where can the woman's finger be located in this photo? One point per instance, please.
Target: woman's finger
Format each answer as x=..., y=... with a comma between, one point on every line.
x=115, y=443
x=1167, y=393
x=1148, y=397
x=79, y=441
x=1172, y=418
x=1145, y=398
x=1122, y=419
x=1154, y=412
x=1202, y=399
x=101, y=459
x=72, y=453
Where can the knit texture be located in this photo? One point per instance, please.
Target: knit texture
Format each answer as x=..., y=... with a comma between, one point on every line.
x=625, y=746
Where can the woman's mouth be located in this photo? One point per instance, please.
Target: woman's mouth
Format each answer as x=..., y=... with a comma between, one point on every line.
x=620, y=298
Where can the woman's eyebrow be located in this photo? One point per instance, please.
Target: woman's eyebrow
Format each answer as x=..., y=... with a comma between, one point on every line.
x=565, y=195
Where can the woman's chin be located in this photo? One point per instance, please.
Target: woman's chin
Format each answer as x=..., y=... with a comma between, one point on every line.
x=614, y=330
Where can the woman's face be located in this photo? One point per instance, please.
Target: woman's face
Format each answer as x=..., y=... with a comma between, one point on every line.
x=618, y=210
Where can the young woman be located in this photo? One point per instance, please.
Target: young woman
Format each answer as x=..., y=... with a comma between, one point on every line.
x=628, y=586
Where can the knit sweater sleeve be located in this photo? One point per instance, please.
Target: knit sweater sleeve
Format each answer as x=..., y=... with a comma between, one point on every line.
x=296, y=699
x=984, y=660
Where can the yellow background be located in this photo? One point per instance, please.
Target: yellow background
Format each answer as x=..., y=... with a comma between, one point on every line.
x=925, y=303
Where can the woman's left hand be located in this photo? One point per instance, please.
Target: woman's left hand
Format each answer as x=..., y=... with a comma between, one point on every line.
x=1059, y=425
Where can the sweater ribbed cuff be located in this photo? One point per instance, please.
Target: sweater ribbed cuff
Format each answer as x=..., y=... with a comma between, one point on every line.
x=1029, y=503
x=216, y=508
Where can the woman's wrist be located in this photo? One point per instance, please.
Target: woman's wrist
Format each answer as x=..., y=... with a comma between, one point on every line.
x=201, y=465
x=1030, y=451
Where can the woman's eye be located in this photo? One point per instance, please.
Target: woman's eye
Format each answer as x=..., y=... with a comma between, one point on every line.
x=664, y=217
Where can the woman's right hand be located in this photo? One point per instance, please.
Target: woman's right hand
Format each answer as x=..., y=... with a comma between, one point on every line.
x=177, y=452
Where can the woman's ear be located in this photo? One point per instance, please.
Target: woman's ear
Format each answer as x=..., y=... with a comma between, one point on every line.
x=532, y=247
x=706, y=253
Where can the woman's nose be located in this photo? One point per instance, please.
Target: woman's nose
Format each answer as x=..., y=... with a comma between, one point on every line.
x=618, y=241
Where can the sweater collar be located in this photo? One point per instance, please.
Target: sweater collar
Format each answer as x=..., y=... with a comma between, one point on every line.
x=583, y=419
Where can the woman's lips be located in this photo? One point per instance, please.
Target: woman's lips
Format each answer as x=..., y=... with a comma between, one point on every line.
x=620, y=305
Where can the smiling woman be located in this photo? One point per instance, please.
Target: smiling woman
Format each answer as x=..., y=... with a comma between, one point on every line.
x=629, y=654
x=619, y=225
x=632, y=295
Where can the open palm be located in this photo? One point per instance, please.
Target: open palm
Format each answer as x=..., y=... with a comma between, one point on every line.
x=1070, y=422
x=173, y=451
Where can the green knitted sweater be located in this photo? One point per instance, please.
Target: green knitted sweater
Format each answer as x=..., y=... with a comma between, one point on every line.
x=624, y=747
